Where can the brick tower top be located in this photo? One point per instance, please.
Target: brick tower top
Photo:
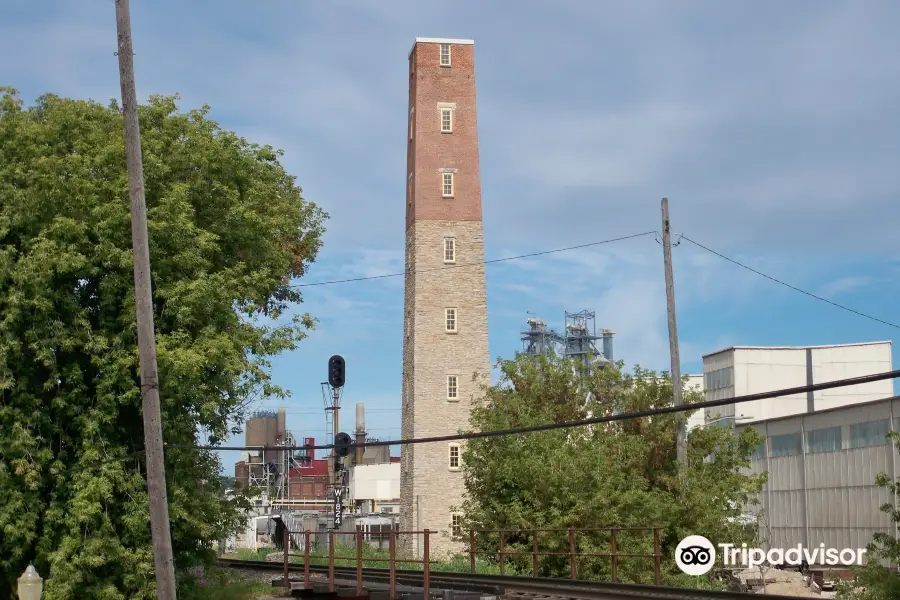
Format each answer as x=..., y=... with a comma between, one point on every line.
x=444, y=180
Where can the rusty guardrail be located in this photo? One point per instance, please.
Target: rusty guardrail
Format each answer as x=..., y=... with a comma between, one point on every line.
x=361, y=537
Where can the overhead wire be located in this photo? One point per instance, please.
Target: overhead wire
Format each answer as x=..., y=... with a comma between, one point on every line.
x=475, y=264
x=583, y=422
x=787, y=285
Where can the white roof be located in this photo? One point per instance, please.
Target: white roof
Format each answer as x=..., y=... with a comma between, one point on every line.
x=795, y=347
x=425, y=40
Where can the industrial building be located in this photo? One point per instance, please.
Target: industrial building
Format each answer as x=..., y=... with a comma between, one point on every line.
x=742, y=370
x=578, y=340
x=821, y=469
x=375, y=488
x=295, y=479
x=274, y=470
x=824, y=449
x=297, y=491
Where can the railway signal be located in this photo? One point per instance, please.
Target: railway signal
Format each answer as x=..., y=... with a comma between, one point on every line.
x=342, y=443
x=336, y=371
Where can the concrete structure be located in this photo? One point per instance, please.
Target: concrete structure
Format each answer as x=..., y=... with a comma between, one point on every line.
x=822, y=468
x=373, y=487
x=742, y=370
x=371, y=455
x=445, y=334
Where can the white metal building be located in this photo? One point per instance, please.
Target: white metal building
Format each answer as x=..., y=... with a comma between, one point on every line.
x=744, y=370
x=373, y=487
x=697, y=418
x=822, y=468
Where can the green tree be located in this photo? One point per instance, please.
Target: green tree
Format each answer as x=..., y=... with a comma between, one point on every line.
x=873, y=580
x=229, y=230
x=622, y=474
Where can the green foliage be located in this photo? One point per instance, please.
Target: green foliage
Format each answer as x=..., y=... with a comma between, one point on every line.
x=229, y=229
x=621, y=474
x=221, y=584
x=873, y=581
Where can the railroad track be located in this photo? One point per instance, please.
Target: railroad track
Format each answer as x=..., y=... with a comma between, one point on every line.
x=510, y=587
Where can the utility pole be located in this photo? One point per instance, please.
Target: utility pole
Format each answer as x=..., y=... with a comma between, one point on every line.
x=681, y=449
x=153, y=440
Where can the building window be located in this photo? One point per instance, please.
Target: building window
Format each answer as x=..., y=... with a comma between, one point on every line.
x=823, y=440
x=447, y=185
x=452, y=387
x=789, y=444
x=445, y=55
x=450, y=320
x=449, y=250
x=446, y=120
x=872, y=433
x=759, y=453
x=720, y=378
x=454, y=457
x=456, y=526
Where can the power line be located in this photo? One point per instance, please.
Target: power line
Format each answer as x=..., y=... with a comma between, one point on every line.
x=473, y=264
x=591, y=421
x=787, y=285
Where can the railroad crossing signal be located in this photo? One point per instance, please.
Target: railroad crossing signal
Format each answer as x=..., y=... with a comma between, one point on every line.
x=336, y=368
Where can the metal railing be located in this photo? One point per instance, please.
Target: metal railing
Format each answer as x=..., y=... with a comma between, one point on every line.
x=501, y=554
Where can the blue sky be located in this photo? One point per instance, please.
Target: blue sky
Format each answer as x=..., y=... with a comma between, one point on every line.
x=772, y=127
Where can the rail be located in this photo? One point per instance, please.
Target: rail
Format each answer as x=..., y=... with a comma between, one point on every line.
x=571, y=555
x=517, y=587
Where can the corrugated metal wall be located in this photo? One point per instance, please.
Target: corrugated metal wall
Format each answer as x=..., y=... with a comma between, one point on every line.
x=822, y=468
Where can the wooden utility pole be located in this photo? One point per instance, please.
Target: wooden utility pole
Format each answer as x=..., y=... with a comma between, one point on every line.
x=681, y=448
x=153, y=439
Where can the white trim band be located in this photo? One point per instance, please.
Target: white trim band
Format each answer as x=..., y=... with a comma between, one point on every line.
x=424, y=40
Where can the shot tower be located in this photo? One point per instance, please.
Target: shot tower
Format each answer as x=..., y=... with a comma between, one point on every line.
x=445, y=336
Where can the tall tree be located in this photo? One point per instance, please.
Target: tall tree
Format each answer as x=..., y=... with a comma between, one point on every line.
x=229, y=231
x=621, y=474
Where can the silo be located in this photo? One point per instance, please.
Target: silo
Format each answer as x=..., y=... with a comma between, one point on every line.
x=262, y=429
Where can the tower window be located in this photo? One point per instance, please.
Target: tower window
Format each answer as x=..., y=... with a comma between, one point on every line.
x=445, y=55
x=449, y=250
x=450, y=320
x=452, y=387
x=447, y=185
x=454, y=457
x=446, y=120
x=456, y=525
